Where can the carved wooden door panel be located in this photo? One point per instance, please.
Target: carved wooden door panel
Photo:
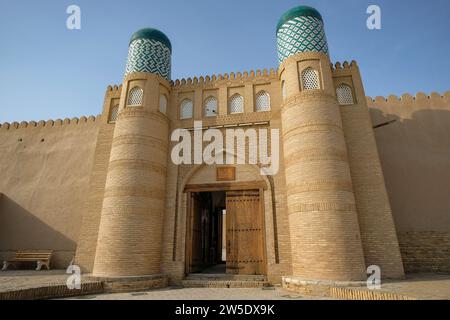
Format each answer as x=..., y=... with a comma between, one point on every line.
x=245, y=246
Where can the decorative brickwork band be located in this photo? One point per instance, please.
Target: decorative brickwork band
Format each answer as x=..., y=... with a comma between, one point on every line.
x=322, y=185
x=319, y=207
x=315, y=154
x=137, y=165
x=135, y=191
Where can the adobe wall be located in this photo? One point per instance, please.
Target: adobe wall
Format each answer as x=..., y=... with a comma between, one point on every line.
x=45, y=170
x=415, y=156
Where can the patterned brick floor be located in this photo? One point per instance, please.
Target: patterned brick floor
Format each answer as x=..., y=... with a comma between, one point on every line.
x=203, y=294
x=420, y=286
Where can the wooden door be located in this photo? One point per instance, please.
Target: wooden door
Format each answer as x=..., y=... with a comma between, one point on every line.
x=245, y=237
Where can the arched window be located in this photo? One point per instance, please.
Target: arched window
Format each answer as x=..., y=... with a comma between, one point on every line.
x=211, y=107
x=135, y=97
x=262, y=101
x=237, y=104
x=113, y=114
x=344, y=94
x=283, y=90
x=310, y=79
x=163, y=103
x=186, y=109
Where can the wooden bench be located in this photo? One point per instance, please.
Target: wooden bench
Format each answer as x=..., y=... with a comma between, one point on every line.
x=41, y=257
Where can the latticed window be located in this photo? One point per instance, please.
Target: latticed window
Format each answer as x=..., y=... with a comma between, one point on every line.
x=344, y=94
x=163, y=104
x=211, y=107
x=135, y=97
x=283, y=90
x=310, y=79
x=237, y=104
x=113, y=114
x=186, y=109
x=262, y=101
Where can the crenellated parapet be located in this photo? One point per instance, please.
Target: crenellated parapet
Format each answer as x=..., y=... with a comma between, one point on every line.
x=420, y=97
x=264, y=75
x=344, y=66
x=49, y=123
x=114, y=89
x=405, y=106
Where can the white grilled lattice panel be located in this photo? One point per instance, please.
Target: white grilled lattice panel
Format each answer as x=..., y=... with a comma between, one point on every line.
x=344, y=94
x=262, y=101
x=211, y=107
x=237, y=104
x=186, y=109
x=135, y=97
x=162, y=104
x=310, y=79
x=113, y=114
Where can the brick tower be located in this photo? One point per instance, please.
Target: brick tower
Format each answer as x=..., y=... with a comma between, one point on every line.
x=130, y=233
x=323, y=220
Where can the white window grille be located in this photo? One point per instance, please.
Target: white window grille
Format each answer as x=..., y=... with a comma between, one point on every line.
x=113, y=114
x=262, y=101
x=186, y=109
x=163, y=104
x=283, y=90
x=135, y=97
x=211, y=107
x=310, y=79
x=237, y=104
x=344, y=94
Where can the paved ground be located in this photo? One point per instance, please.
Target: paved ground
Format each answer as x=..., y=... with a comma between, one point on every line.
x=203, y=294
x=420, y=286
x=16, y=280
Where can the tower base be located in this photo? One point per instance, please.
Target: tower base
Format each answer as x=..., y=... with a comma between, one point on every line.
x=132, y=284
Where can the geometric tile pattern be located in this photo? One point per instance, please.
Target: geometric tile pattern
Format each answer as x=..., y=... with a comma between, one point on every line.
x=149, y=55
x=344, y=94
x=237, y=104
x=302, y=34
x=211, y=107
x=186, y=109
x=135, y=97
x=262, y=101
x=310, y=79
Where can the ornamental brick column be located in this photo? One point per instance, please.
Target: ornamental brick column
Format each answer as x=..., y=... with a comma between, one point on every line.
x=130, y=233
x=325, y=235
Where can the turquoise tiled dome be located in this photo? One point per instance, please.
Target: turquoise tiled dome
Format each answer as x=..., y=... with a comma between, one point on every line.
x=150, y=51
x=300, y=30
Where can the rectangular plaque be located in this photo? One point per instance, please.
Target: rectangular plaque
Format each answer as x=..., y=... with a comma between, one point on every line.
x=226, y=174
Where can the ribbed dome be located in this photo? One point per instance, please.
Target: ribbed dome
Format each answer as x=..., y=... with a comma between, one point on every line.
x=301, y=11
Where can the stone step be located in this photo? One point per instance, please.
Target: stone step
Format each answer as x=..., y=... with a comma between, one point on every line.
x=225, y=277
x=224, y=284
x=225, y=281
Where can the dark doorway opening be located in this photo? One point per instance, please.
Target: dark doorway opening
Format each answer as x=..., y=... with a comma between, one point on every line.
x=207, y=251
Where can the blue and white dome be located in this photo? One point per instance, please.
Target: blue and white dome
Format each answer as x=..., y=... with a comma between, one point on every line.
x=300, y=29
x=150, y=51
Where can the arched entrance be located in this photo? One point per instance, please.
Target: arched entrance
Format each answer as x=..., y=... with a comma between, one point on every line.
x=225, y=221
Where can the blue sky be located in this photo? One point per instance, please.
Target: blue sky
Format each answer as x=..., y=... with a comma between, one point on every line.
x=50, y=72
